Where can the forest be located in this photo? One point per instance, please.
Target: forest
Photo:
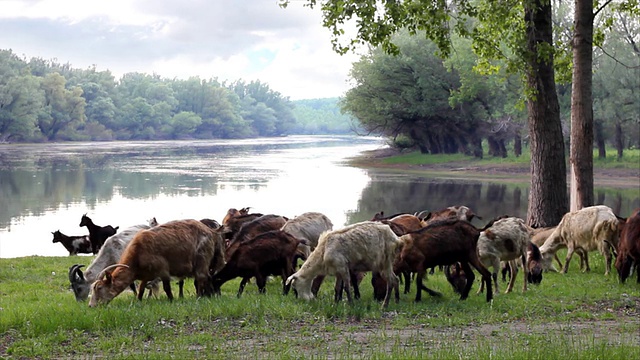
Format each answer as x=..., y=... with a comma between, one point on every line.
x=43, y=100
x=417, y=97
x=463, y=102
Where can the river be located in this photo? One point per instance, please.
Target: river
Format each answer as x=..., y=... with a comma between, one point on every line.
x=48, y=187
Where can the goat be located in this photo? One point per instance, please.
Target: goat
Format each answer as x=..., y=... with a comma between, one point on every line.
x=365, y=246
x=505, y=240
x=629, y=247
x=444, y=243
x=591, y=228
x=308, y=227
x=233, y=224
x=74, y=244
x=182, y=248
x=109, y=254
x=456, y=276
x=540, y=235
x=460, y=212
x=97, y=234
x=232, y=213
x=253, y=228
x=270, y=253
x=400, y=224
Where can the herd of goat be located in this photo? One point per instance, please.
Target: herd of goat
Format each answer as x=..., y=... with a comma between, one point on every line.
x=253, y=245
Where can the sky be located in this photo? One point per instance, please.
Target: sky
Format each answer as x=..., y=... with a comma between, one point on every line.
x=288, y=49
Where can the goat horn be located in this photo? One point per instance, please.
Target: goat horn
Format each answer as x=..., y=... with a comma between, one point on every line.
x=73, y=270
x=104, y=271
x=422, y=214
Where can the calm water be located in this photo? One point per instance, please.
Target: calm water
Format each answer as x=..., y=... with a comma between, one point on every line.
x=48, y=187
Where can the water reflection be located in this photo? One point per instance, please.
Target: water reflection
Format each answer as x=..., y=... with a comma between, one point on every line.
x=48, y=187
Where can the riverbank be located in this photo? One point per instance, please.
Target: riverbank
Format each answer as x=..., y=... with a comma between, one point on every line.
x=623, y=178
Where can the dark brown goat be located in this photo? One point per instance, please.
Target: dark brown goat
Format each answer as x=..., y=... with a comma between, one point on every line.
x=74, y=244
x=184, y=248
x=270, y=253
x=260, y=225
x=97, y=234
x=444, y=243
x=456, y=277
x=629, y=247
x=233, y=224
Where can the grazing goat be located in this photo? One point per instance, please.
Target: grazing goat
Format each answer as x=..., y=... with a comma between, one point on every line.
x=591, y=228
x=456, y=277
x=270, y=253
x=108, y=255
x=444, y=243
x=255, y=227
x=459, y=212
x=534, y=264
x=400, y=224
x=540, y=235
x=505, y=240
x=97, y=234
x=365, y=246
x=74, y=244
x=629, y=247
x=182, y=248
x=308, y=227
x=232, y=225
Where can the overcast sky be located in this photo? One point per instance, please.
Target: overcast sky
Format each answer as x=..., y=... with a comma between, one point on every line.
x=228, y=39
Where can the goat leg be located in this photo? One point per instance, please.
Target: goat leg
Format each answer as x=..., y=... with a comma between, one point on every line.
x=166, y=285
x=243, y=283
x=141, y=288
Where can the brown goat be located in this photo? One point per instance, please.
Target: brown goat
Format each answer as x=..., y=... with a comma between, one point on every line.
x=183, y=248
x=270, y=253
x=253, y=228
x=232, y=225
x=629, y=247
x=458, y=212
x=444, y=243
x=233, y=213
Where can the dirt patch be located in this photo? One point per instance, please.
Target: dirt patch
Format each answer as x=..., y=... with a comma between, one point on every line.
x=604, y=177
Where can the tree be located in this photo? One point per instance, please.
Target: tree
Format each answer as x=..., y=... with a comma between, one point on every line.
x=524, y=27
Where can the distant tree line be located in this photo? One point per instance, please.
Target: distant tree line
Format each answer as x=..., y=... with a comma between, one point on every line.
x=42, y=100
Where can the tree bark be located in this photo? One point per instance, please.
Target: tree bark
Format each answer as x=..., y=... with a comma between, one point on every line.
x=619, y=139
x=548, y=188
x=600, y=142
x=517, y=144
x=581, y=158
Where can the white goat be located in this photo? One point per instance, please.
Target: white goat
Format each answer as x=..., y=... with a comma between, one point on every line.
x=365, y=246
x=591, y=228
x=109, y=254
x=308, y=226
x=506, y=240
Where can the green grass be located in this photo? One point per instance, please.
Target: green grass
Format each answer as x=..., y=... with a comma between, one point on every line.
x=630, y=159
x=576, y=315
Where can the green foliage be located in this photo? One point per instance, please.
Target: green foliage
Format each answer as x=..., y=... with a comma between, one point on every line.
x=322, y=116
x=43, y=100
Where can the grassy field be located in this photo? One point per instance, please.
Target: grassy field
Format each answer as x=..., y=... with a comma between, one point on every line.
x=630, y=159
x=571, y=316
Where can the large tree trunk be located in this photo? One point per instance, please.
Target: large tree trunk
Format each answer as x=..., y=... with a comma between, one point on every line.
x=619, y=139
x=582, y=108
x=548, y=189
x=600, y=142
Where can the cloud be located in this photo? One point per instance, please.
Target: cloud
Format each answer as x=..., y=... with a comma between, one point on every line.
x=228, y=39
